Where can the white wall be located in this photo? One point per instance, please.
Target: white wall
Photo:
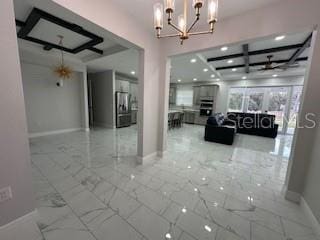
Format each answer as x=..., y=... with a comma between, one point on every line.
x=103, y=98
x=50, y=108
x=311, y=191
x=15, y=168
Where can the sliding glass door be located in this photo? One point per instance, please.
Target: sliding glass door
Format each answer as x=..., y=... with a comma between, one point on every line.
x=278, y=105
x=283, y=102
x=254, y=100
x=294, y=108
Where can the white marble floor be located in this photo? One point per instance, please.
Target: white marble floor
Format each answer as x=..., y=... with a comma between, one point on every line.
x=88, y=186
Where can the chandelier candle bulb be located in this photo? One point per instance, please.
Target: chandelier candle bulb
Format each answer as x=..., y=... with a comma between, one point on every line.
x=158, y=16
x=182, y=23
x=169, y=6
x=197, y=3
x=212, y=11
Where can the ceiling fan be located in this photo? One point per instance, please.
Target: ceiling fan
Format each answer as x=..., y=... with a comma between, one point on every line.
x=270, y=65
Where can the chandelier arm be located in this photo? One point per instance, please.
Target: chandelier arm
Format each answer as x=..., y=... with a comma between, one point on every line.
x=169, y=35
x=200, y=33
x=194, y=23
x=175, y=27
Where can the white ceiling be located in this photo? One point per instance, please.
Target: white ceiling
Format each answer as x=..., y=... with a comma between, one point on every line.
x=125, y=62
x=183, y=69
x=143, y=9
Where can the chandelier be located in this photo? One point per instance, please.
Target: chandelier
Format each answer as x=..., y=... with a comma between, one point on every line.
x=183, y=31
x=63, y=71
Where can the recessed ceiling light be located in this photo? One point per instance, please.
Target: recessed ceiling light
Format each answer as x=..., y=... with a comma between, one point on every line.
x=205, y=70
x=274, y=75
x=207, y=228
x=133, y=72
x=218, y=79
x=244, y=77
x=195, y=79
x=193, y=60
x=168, y=236
x=230, y=61
x=212, y=75
x=279, y=38
x=179, y=80
x=224, y=49
x=234, y=69
x=184, y=210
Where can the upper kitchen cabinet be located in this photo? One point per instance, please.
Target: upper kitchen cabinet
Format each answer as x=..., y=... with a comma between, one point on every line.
x=208, y=91
x=196, y=95
x=172, y=95
x=122, y=86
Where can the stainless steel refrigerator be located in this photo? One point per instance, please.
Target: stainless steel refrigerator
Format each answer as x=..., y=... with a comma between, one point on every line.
x=123, y=109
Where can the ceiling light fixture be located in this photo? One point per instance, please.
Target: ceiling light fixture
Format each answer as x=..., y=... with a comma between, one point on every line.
x=179, y=80
x=218, y=79
x=133, y=72
x=230, y=61
x=195, y=79
x=223, y=49
x=205, y=70
x=279, y=38
x=234, y=69
x=244, y=78
x=63, y=71
x=184, y=32
x=212, y=75
x=193, y=60
x=274, y=75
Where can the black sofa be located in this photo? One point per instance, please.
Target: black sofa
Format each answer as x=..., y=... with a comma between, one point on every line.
x=217, y=131
x=259, y=124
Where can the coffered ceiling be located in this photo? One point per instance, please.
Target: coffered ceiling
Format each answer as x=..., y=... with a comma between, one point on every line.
x=183, y=69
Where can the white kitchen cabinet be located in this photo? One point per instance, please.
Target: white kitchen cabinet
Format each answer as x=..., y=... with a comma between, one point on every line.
x=189, y=117
x=134, y=92
x=196, y=95
x=122, y=86
x=207, y=91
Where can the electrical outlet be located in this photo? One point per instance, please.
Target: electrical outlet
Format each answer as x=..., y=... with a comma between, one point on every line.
x=5, y=194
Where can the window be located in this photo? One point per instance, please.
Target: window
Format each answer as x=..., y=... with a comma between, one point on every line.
x=184, y=97
x=255, y=99
x=236, y=99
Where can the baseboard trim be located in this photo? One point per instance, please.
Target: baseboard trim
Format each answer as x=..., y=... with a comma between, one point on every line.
x=161, y=154
x=42, y=134
x=293, y=196
x=29, y=216
x=103, y=125
x=315, y=224
x=145, y=159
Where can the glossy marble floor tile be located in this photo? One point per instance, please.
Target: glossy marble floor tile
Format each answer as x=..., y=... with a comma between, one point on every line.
x=89, y=186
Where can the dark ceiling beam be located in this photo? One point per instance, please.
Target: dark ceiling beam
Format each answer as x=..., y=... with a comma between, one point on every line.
x=20, y=23
x=257, y=52
x=297, y=54
x=259, y=64
x=246, y=58
x=96, y=50
x=37, y=14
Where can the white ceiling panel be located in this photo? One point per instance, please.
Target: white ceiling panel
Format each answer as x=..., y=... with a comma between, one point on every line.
x=71, y=39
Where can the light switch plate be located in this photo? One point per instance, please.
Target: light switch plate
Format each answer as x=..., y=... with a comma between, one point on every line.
x=5, y=194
